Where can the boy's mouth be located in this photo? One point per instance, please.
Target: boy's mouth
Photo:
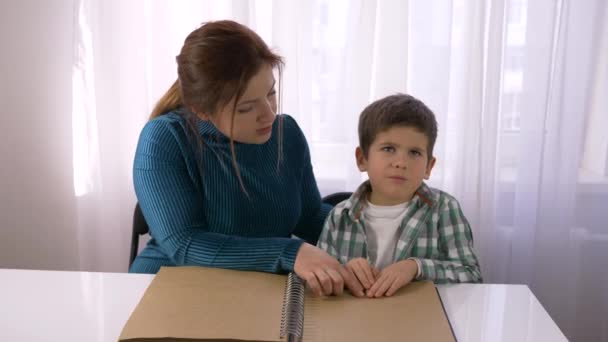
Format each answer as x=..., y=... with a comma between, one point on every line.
x=398, y=178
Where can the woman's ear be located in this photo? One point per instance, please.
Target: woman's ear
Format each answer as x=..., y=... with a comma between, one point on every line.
x=201, y=115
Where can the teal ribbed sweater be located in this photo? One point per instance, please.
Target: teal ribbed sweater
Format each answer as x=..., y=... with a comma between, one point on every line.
x=201, y=216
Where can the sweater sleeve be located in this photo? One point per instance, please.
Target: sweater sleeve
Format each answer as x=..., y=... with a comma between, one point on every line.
x=314, y=212
x=171, y=202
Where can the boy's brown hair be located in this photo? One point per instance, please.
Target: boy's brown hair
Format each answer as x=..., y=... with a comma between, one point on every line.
x=396, y=110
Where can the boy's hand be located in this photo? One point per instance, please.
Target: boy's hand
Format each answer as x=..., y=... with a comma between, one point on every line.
x=393, y=277
x=364, y=272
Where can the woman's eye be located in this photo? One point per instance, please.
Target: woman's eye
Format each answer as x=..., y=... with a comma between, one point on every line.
x=272, y=93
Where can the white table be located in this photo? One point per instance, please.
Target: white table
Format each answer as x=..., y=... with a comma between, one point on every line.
x=83, y=306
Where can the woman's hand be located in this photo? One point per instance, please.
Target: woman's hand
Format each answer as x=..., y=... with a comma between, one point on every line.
x=324, y=274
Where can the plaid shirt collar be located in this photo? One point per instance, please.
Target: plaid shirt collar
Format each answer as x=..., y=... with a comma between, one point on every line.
x=358, y=201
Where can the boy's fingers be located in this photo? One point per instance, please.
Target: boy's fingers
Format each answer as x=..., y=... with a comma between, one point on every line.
x=376, y=289
x=351, y=282
x=386, y=283
x=394, y=287
x=367, y=269
x=359, y=271
x=376, y=273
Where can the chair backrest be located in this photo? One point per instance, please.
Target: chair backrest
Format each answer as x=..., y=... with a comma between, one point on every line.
x=336, y=197
x=140, y=227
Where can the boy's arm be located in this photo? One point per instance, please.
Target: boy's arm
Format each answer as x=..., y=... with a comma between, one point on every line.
x=457, y=262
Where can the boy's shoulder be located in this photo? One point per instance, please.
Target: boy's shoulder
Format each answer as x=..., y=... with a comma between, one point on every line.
x=352, y=206
x=344, y=207
x=440, y=200
x=433, y=197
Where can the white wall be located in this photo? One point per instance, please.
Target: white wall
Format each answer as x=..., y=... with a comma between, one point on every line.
x=35, y=97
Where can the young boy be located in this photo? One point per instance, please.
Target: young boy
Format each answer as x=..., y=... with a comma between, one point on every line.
x=394, y=228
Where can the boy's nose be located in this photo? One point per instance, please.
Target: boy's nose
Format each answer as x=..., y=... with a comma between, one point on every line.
x=400, y=163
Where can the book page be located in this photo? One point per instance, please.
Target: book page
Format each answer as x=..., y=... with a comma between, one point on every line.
x=200, y=304
x=414, y=313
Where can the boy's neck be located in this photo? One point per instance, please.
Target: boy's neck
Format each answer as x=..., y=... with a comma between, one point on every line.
x=380, y=200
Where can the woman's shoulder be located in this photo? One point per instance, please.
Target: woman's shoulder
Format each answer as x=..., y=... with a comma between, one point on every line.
x=288, y=119
x=291, y=129
x=166, y=126
x=164, y=134
x=168, y=120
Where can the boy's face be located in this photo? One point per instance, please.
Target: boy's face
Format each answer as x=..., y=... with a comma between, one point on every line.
x=396, y=163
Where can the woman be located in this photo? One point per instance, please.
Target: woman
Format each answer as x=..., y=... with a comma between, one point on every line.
x=221, y=179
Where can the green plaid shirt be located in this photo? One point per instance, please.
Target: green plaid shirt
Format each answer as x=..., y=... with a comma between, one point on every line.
x=434, y=233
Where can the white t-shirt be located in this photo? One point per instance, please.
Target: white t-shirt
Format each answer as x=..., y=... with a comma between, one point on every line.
x=382, y=231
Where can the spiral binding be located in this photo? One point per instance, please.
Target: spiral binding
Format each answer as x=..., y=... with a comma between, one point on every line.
x=292, y=319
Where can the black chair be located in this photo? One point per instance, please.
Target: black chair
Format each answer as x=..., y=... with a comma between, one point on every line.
x=336, y=198
x=140, y=227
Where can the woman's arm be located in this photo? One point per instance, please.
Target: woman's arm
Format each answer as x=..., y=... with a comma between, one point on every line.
x=171, y=204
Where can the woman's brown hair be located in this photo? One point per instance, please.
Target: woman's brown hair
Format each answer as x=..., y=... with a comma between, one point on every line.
x=215, y=64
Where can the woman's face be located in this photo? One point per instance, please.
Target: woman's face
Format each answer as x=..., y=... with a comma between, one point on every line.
x=254, y=113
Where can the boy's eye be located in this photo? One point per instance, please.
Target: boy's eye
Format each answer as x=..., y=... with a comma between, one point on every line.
x=416, y=153
x=388, y=149
x=245, y=110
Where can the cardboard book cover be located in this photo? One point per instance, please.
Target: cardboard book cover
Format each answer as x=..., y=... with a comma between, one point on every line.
x=208, y=304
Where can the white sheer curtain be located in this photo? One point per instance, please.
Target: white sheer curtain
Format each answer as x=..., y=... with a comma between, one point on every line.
x=519, y=89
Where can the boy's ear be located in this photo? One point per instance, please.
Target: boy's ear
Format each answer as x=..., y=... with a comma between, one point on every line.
x=429, y=168
x=361, y=160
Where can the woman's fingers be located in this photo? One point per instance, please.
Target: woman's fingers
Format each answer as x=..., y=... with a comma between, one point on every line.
x=323, y=273
x=325, y=281
x=313, y=284
x=337, y=281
